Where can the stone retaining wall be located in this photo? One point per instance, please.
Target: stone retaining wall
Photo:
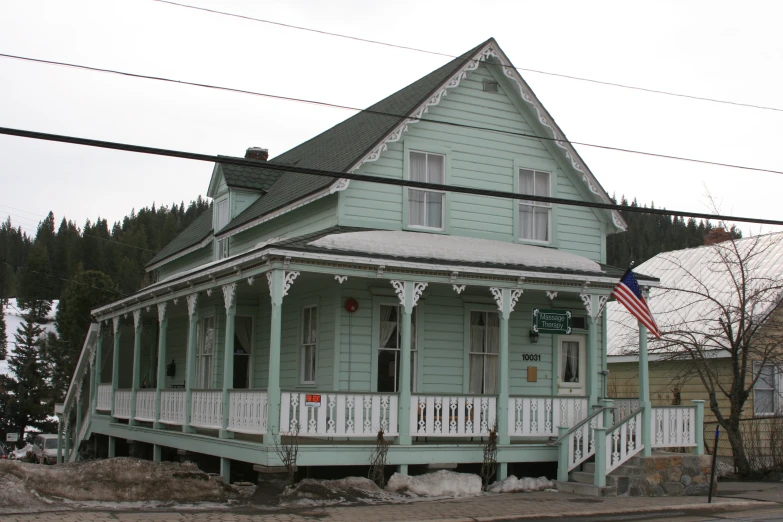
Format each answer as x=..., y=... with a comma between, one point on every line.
x=668, y=475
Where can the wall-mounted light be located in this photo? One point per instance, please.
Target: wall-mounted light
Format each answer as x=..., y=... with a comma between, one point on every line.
x=533, y=336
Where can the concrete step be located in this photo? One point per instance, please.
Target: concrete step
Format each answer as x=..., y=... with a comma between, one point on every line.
x=581, y=476
x=586, y=489
x=589, y=467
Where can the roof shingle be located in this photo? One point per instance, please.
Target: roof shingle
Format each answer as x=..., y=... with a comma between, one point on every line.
x=196, y=232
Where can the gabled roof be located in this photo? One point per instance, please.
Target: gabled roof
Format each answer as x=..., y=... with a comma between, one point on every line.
x=254, y=178
x=699, y=269
x=341, y=147
x=193, y=236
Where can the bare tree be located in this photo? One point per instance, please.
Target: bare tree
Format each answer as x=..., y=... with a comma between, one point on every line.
x=725, y=306
x=287, y=448
x=378, y=460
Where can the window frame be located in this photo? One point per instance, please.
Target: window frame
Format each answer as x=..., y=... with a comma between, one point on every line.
x=415, y=341
x=468, y=308
x=757, y=367
x=484, y=354
x=580, y=388
x=208, y=382
x=302, y=346
x=538, y=165
x=426, y=147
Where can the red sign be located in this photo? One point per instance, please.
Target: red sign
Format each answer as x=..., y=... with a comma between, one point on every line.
x=313, y=400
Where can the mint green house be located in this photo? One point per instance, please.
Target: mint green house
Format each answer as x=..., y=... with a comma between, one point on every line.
x=336, y=309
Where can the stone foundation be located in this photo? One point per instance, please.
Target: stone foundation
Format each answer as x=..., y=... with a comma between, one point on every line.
x=667, y=475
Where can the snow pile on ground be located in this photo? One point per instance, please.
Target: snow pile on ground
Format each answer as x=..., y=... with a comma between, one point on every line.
x=114, y=480
x=312, y=492
x=15, y=496
x=22, y=452
x=442, y=483
x=454, y=248
x=512, y=484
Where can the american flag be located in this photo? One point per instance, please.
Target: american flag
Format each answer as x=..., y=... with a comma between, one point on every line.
x=629, y=294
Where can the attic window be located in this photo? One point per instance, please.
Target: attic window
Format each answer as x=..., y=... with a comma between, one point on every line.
x=490, y=85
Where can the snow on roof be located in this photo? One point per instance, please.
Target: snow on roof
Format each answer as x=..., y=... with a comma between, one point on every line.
x=697, y=268
x=454, y=248
x=13, y=318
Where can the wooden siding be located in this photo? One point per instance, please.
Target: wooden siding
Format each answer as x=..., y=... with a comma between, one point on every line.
x=478, y=159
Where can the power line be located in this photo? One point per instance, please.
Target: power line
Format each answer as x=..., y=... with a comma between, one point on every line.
x=372, y=179
x=382, y=113
x=416, y=49
x=63, y=279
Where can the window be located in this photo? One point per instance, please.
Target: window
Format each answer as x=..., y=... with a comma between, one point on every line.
x=205, y=350
x=389, y=346
x=307, y=359
x=571, y=374
x=243, y=346
x=764, y=393
x=222, y=220
x=484, y=342
x=425, y=207
x=535, y=219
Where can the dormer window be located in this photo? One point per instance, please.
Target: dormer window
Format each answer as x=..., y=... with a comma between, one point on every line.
x=221, y=245
x=425, y=207
x=535, y=218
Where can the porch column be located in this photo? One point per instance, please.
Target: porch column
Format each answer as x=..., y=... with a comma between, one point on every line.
x=506, y=299
x=67, y=456
x=229, y=298
x=59, y=438
x=112, y=447
x=96, y=370
x=136, y=364
x=594, y=305
x=190, y=359
x=91, y=399
x=279, y=283
x=76, y=440
x=409, y=293
x=163, y=323
x=644, y=392
x=115, y=362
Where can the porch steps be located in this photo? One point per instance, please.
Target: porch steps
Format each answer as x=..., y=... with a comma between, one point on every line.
x=581, y=483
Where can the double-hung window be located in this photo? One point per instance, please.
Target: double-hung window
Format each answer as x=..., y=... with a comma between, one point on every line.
x=222, y=221
x=309, y=342
x=205, y=349
x=764, y=392
x=389, y=345
x=535, y=218
x=484, y=343
x=426, y=207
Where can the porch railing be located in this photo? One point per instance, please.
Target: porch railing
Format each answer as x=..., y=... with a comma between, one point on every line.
x=673, y=427
x=122, y=404
x=623, y=407
x=104, y=397
x=172, y=407
x=332, y=414
x=247, y=411
x=623, y=441
x=145, y=405
x=207, y=409
x=541, y=416
x=452, y=415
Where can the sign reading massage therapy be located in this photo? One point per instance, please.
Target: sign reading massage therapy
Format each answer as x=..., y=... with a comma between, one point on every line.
x=552, y=321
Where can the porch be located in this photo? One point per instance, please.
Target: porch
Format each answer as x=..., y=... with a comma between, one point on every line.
x=435, y=357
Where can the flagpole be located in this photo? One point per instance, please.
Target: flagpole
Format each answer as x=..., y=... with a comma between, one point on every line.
x=644, y=391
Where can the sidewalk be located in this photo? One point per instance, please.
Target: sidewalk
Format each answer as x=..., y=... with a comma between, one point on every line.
x=485, y=508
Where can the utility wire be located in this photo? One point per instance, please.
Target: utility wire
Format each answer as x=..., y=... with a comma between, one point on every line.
x=416, y=49
x=63, y=279
x=372, y=179
x=400, y=116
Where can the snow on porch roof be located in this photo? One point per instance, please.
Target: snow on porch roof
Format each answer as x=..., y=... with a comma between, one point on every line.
x=454, y=248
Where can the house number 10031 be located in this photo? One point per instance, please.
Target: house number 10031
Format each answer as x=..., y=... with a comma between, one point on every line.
x=531, y=356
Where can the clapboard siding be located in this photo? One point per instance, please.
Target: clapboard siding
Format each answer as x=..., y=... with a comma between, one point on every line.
x=478, y=159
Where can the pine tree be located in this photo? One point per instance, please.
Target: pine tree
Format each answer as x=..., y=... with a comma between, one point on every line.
x=3, y=338
x=32, y=405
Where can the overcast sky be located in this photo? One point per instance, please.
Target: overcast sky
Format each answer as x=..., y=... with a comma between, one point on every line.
x=722, y=50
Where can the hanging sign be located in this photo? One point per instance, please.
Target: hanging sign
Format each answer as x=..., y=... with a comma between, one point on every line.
x=551, y=321
x=312, y=400
x=11, y=437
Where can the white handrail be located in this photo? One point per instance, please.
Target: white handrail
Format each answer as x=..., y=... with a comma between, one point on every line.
x=623, y=442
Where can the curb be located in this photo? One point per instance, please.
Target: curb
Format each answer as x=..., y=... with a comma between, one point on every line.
x=621, y=511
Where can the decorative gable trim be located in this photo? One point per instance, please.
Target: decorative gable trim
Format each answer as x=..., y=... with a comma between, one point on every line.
x=493, y=50
x=214, y=181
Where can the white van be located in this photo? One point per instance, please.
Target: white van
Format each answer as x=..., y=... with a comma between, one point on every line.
x=45, y=448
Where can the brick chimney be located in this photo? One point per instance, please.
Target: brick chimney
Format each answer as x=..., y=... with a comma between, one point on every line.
x=257, y=153
x=717, y=235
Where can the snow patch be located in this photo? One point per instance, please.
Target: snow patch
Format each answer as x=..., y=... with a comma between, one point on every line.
x=313, y=492
x=513, y=484
x=442, y=483
x=454, y=248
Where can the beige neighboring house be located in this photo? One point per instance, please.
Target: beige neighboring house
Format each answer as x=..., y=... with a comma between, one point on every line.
x=673, y=379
